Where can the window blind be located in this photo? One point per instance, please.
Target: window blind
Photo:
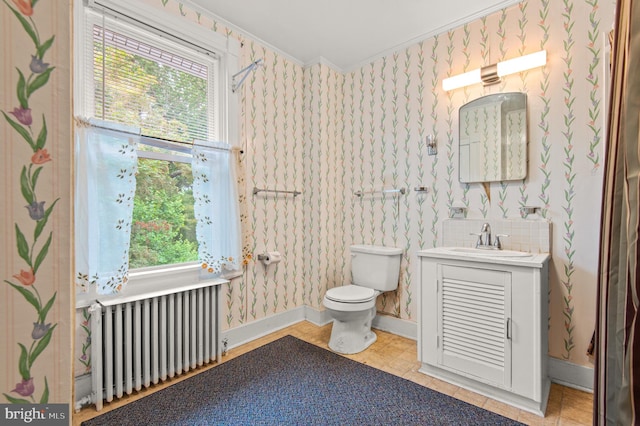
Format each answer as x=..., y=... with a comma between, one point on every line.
x=137, y=78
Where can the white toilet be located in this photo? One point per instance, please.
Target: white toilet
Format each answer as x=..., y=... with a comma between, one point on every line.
x=374, y=269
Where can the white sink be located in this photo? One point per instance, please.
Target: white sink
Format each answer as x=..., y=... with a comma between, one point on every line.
x=488, y=252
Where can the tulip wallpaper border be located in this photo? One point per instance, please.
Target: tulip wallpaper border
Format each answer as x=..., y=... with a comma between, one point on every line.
x=32, y=244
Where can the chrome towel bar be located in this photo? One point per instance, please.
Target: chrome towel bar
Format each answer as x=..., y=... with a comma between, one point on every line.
x=276, y=191
x=383, y=191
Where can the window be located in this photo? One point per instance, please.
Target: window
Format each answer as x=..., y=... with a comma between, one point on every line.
x=164, y=78
x=168, y=92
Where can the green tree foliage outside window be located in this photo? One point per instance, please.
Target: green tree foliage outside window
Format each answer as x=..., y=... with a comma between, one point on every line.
x=164, y=228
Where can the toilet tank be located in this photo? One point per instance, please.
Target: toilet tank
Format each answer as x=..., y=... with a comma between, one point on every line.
x=375, y=267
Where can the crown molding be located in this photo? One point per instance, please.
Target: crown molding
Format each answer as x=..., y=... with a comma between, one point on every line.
x=321, y=60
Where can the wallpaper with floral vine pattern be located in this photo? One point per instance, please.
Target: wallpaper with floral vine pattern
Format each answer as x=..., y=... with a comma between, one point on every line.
x=329, y=134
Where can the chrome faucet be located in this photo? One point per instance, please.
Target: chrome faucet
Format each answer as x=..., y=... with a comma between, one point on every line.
x=485, y=235
x=484, y=238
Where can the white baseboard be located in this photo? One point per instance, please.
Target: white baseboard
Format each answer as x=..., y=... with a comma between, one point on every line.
x=571, y=375
x=247, y=332
x=319, y=318
x=404, y=328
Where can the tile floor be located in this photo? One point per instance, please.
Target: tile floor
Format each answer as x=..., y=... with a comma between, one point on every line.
x=397, y=355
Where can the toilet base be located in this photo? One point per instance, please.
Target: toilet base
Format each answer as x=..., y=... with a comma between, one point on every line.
x=354, y=335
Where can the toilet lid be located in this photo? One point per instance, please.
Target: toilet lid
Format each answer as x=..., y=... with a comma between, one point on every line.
x=350, y=294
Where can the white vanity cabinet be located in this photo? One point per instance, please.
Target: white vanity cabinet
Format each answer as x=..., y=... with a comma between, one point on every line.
x=483, y=324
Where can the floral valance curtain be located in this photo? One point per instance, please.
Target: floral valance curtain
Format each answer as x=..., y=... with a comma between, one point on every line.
x=106, y=166
x=216, y=208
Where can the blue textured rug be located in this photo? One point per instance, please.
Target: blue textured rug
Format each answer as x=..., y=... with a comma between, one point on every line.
x=291, y=382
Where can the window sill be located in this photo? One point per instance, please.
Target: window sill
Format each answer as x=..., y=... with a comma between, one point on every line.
x=231, y=275
x=155, y=282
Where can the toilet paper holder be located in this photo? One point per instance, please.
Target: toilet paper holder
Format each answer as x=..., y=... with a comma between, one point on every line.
x=269, y=257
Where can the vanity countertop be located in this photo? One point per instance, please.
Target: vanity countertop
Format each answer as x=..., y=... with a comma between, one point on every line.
x=533, y=260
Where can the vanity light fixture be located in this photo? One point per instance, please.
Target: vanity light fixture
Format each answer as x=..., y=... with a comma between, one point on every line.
x=491, y=74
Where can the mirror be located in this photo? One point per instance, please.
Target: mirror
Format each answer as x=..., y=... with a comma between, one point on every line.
x=493, y=138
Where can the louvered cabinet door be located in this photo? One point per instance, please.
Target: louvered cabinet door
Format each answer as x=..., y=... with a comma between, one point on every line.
x=474, y=321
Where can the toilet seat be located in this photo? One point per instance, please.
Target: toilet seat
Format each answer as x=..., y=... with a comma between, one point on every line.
x=351, y=294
